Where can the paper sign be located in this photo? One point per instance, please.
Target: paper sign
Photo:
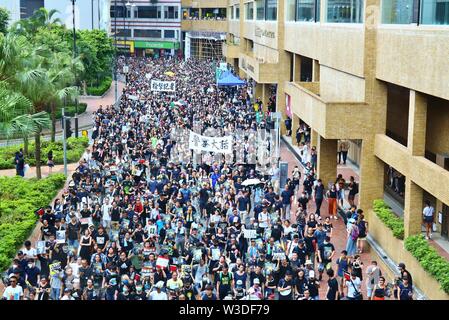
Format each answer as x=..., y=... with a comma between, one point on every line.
x=40, y=247
x=216, y=254
x=60, y=236
x=250, y=233
x=86, y=220
x=55, y=268
x=279, y=256
x=152, y=230
x=162, y=262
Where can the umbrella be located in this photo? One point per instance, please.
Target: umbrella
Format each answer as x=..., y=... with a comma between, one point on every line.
x=169, y=73
x=250, y=182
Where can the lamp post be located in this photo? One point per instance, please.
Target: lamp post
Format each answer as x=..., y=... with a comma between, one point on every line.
x=74, y=70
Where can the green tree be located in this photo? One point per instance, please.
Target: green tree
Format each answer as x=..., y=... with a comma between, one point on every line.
x=4, y=19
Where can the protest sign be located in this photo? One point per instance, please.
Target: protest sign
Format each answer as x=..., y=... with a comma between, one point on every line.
x=250, y=234
x=60, y=236
x=162, y=262
x=198, y=142
x=40, y=247
x=168, y=86
x=55, y=268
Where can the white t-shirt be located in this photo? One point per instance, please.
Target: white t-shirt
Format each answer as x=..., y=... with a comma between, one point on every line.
x=30, y=253
x=158, y=296
x=13, y=293
x=105, y=208
x=351, y=289
x=428, y=211
x=263, y=220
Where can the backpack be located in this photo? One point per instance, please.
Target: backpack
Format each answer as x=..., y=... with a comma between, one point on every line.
x=355, y=232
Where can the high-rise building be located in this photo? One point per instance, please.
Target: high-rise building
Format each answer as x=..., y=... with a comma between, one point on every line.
x=150, y=28
x=95, y=13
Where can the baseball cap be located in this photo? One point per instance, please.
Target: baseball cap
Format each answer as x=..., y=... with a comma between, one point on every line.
x=401, y=265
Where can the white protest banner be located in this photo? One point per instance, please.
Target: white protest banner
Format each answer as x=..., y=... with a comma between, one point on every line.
x=216, y=254
x=250, y=234
x=133, y=97
x=210, y=144
x=40, y=247
x=162, y=262
x=157, y=85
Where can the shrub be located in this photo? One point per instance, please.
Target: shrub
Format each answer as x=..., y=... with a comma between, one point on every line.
x=75, y=149
x=101, y=88
x=18, y=199
x=70, y=110
x=387, y=216
x=429, y=259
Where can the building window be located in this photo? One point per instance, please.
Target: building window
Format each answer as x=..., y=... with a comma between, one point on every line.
x=308, y=10
x=169, y=34
x=399, y=11
x=171, y=12
x=119, y=10
x=237, y=12
x=149, y=12
x=435, y=12
x=290, y=9
x=249, y=10
x=123, y=32
x=345, y=11
x=272, y=11
x=231, y=9
x=147, y=33
x=260, y=9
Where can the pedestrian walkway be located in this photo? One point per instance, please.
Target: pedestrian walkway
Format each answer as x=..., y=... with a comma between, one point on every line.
x=339, y=236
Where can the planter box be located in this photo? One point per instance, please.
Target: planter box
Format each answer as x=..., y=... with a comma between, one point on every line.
x=397, y=252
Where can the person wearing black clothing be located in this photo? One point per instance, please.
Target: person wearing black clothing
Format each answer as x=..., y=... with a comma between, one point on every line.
x=277, y=231
x=43, y=290
x=405, y=273
x=332, y=286
x=285, y=287
x=85, y=273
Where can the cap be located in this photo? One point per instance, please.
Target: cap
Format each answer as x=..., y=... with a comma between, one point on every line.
x=20, y=253
x=256, y=280
x=401, y=265
x=67, y=290
x=308, y=262
x=160, y=284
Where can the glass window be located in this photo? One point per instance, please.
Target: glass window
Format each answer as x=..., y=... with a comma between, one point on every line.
x=249, y=11
x=231, y=9
x=260, y=9
x=237, y=12
x=147, y=33
x=290, y=10
x=308, y=10
x=272, y=10
x=171, y=12
x=120, y=10
x=435, y=12
x=399, y=11
x=345, y=11
x=123, y=32
x=149, y=12
x=169, y=34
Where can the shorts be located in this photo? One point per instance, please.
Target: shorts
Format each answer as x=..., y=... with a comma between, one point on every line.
x=351, y=197
x=428, y=219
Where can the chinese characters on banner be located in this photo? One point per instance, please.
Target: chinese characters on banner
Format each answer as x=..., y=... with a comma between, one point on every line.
x=157, y=85
x=210, y=144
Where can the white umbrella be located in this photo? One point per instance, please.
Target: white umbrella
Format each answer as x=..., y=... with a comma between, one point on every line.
x=250, y=182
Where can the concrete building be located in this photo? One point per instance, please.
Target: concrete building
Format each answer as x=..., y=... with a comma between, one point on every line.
x=373, y=72
x=204, y=27
x=95, y=13
x=151, y=28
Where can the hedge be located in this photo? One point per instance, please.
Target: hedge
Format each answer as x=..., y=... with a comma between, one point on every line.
x=19, y=198
x=101, y=88
x=75, y=149
x=429, y=259
x=71, y=109
x=387, y=216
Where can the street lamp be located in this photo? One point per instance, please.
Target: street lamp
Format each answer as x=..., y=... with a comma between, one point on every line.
x=74, y=70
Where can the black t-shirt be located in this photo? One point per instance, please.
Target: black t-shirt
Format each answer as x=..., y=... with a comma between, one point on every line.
x=124, y=266
x=73, y=230
x=326, y=251
x=333, y=288
x=115, y=214
x=101, y=239
x=276, y=232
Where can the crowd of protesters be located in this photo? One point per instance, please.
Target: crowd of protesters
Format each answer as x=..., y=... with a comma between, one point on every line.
x=134, y=224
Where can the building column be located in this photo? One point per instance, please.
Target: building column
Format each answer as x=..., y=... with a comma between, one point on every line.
x=258, y=92
x=316, y=71
x=296, y=68
x=295, y=126
x=371, y=180
x=327, y=160
x=265, y=95
x=313, y=138
x=413, y=204
x=417, y=118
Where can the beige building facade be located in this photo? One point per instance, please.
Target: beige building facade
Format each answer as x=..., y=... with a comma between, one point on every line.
x=374, y=72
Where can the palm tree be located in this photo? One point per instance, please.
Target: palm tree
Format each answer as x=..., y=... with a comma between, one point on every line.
x=41, y=18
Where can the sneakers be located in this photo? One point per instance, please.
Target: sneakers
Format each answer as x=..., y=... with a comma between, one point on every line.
x=427, y=238
x=335, y=217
